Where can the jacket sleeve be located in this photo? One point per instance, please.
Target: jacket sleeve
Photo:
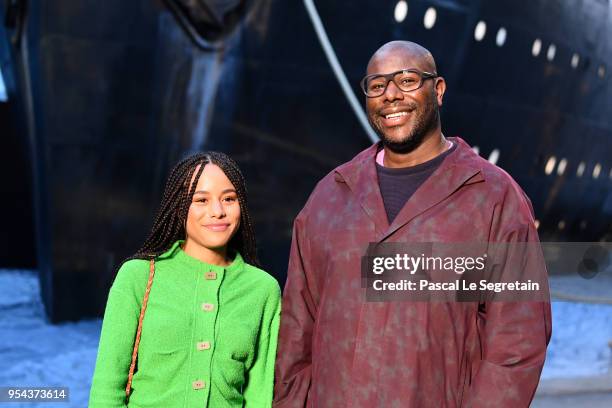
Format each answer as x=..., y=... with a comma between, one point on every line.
x=260, y=377
x=294, y=361
x=117, y=339
x=513, y=334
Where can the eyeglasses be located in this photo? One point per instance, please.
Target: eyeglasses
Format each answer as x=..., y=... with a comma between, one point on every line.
x=406, y=80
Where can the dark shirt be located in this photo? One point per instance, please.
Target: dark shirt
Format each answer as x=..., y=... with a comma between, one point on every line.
x=397, y=185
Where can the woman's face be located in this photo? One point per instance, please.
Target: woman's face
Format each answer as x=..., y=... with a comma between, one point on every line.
x=214, y=213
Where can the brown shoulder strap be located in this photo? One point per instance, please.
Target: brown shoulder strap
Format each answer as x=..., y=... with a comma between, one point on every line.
x=128, y=388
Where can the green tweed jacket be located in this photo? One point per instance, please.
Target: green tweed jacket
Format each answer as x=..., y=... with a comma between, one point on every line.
x=208, y=337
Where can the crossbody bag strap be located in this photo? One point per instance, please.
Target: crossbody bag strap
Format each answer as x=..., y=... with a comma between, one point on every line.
x=128, y=388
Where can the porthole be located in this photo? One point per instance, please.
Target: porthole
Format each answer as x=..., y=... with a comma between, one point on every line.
x=552, y=50
x=494, y=156
x=429, y=20
x=480, y=31
x=536, y=47
x=575, y=60
x=500, y=39
x=580, y=169
x=561, y=167
x=550, y=165
x=401, y=11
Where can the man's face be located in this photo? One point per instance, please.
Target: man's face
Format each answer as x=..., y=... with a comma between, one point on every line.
x=419, y=108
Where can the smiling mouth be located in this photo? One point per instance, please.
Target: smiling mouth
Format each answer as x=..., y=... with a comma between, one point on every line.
x=396, y=115
x=217, y=227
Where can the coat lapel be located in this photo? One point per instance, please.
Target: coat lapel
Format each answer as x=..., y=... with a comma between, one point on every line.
x=361, y=177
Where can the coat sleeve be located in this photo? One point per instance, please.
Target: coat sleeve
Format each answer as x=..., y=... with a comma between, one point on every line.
x=513, y=334
x=117, y=339
x=294, y=357
x=260, y=377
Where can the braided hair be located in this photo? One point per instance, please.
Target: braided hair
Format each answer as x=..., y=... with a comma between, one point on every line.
x=169, y=225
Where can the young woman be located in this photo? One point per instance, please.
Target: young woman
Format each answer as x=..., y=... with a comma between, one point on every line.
x=209, y=328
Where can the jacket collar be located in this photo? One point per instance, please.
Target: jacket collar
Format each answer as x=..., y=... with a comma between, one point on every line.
x=176, y=252
x=461, y=167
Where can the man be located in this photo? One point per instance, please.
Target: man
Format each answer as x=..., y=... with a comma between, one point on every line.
x=338, y=350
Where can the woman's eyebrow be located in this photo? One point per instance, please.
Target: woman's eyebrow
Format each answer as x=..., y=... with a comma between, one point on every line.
x=227, y=190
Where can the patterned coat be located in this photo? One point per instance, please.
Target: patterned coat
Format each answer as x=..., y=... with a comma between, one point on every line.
x=338, y=350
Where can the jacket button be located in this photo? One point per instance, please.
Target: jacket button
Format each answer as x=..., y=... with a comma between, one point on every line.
x=203, y=345
x=198, y=385
x=210, y=275
x=208, y=307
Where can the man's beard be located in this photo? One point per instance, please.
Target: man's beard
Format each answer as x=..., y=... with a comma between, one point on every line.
x=424, y=122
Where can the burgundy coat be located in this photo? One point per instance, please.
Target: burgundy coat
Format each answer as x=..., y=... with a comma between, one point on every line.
x=337, y=350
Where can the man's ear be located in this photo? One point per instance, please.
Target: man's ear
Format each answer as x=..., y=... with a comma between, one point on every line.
x=440, y=88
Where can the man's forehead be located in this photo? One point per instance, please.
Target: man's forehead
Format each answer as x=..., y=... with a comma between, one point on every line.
x=397, y=58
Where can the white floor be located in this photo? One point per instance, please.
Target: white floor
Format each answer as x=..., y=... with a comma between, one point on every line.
x=34, y=353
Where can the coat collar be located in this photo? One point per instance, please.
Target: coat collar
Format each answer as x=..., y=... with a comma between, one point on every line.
x=461, y=167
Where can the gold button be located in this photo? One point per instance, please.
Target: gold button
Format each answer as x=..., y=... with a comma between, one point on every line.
x=203, y=345
x=208, y=307
x=210, y=275
x=198, y=385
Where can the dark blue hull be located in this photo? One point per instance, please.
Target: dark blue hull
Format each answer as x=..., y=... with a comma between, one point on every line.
x=113, y=93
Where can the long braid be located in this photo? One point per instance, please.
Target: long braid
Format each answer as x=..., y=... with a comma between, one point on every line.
x=169, y=224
